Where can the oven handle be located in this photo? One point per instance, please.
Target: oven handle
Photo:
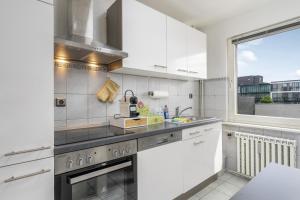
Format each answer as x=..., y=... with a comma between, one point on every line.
x=99, y=172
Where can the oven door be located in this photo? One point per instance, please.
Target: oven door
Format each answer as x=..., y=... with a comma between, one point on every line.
x=114, y=180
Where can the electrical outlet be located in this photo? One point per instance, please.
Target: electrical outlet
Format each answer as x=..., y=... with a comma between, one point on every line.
x=60, y=102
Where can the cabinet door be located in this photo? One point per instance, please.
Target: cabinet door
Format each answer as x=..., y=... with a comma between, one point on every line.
x=160, y=172
x=202, y=158
x=197, y=66
x=26, y=80
x=176, y=47
x=32, y=180
x=144, y=37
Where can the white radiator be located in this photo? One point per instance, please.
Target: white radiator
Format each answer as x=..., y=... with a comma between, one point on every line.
x=255, y=152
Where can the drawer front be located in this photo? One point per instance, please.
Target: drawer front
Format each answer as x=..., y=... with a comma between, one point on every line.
x=32, y=180
x=200, y=130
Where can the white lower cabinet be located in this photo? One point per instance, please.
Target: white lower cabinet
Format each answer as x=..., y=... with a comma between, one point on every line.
x=29, y=181
x=160, y=172
x=202, y=155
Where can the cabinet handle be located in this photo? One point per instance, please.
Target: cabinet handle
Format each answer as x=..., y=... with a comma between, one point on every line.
x=199, y=142
x=182, y=70
x=195, y=133
x=193, y=72
x=161, y=66
x=162, y=141
x=208, y=129
x=13, y=153
x=11, y=179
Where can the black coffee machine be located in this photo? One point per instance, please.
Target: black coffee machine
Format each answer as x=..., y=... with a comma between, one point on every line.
x=128, y=107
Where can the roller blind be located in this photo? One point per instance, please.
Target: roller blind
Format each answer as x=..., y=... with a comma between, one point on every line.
x=279, y=28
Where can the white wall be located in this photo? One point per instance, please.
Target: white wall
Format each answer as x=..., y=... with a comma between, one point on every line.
x=277, y=11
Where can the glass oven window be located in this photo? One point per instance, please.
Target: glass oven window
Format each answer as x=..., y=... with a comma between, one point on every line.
x=116, y=185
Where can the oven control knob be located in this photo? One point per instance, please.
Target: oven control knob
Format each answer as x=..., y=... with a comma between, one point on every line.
x=123, y=152
x=80, y=161
x=89, y=159
x=127, y=150
x=70, y=164
x=116, y=153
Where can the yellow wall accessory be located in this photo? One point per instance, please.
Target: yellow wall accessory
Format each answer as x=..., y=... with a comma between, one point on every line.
x=108, y=91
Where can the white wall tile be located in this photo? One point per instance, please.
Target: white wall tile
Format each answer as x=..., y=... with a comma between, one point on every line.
x=173, y=87
x=118, y=78
x=196, y=88
x=272, y=133
x=184, y=88
x=77, y=123
x=164, y=85
x=96, y=80
x=60, y=125
x=77, y=81
x=96, y=109
x=172, y=104
x=209, y=88
x=142, y=87
x=114, y=108
x=76, y=106
x=97, y=121
x=80, y=87
x=129, y=83
x=220, y=87
x=60, y=80
x=154, y=84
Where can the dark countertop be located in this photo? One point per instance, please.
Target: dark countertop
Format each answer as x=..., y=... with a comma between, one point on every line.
x=78, y=139
x=275, y=182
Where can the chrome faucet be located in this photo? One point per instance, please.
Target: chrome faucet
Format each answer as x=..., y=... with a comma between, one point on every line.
x=178, y=113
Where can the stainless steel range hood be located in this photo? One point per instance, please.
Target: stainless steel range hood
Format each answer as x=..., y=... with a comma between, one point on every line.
x=79, y=45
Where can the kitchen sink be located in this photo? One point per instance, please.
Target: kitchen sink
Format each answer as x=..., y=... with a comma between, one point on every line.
x=188, y=119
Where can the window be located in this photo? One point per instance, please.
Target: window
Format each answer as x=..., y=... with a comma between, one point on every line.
x=265, y=66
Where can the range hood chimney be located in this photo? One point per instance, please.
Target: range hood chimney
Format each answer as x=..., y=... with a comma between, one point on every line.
x=79, y=45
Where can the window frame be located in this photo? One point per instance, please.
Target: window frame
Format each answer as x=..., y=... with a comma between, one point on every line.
x=233, y=116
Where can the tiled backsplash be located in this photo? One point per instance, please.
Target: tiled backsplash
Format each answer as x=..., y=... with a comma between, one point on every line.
x=229, y=142
x=79, y=87
x=215, y=98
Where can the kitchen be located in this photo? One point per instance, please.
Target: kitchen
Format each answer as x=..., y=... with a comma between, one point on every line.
x=126, y=99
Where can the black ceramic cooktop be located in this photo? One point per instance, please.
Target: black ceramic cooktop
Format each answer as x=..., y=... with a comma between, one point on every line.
x=86, y=134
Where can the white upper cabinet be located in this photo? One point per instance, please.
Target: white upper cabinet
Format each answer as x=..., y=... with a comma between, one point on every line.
x=144, y=37
x=157, y=45
x=26, y=81
x=176, y=47
x=196, y=53
x=186, y=50
x=141, y=32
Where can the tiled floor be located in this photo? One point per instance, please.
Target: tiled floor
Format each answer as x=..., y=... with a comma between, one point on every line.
x=222, y=189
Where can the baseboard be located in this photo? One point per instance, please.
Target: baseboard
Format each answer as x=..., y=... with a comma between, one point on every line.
x=197, y=188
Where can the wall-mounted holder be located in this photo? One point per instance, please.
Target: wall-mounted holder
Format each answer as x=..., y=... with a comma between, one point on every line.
x=158, y=94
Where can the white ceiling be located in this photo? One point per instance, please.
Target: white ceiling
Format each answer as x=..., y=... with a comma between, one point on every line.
x=200, y=13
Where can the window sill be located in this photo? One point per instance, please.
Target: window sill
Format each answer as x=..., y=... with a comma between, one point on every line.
x=291, y=130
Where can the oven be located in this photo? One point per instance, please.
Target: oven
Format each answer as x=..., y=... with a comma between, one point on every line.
x=102, y=173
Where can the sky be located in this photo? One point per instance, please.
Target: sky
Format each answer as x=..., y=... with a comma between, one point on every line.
x=276, y=57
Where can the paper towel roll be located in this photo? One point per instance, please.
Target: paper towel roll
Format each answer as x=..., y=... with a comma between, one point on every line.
x=158, y=94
